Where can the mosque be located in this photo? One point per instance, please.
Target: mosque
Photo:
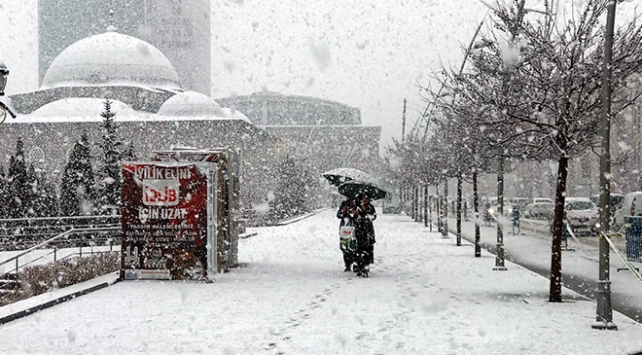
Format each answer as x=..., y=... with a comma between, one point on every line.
x=153, y=112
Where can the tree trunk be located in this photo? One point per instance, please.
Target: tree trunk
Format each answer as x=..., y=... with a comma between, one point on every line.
x=555, y=293
x=499, y=259
x=459, y=210
x=439, y=207
x=430, y=202
x=416, y=212
x=476, y=207
x=444, y=231
x=425, y=205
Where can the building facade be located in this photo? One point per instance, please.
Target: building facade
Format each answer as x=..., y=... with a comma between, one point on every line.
x=180, y=29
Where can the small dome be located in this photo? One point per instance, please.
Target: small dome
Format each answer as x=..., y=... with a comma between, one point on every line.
x=191, y=103
x=232, y=113
x=81, y=107
x=111, y=58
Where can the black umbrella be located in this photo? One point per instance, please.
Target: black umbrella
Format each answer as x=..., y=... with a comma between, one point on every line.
x=338, y=176
x=352, y=189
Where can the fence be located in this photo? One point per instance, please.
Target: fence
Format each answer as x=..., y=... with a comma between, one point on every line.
x=23, y=233
x=50, y=250
x=633, y=236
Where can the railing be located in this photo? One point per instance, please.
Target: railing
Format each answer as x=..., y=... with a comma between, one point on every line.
x=21, y=233
x=52, y=242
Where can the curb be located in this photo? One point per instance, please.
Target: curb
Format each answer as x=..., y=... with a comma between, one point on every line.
x=247, y=235
x=51, y=303
x=300, y=218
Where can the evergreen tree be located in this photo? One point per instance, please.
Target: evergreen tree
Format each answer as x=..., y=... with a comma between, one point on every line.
x=109, y=174
x=4, y=192
x=44, y=201
x=32, y=184
x=19, y=193
x=129, y=154
x=77, y=191
x=291, y=190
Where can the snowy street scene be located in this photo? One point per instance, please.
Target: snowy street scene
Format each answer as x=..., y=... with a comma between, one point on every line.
x=321, y=177
x=291, y=296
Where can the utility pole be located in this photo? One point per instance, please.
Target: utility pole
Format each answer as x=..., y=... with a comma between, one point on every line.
x=604, y=317
x=403, y=138
x=403, y=122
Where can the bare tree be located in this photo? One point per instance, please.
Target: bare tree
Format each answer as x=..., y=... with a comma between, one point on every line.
x=541, y=91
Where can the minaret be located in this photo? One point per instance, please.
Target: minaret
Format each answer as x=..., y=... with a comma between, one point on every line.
x=111, y=27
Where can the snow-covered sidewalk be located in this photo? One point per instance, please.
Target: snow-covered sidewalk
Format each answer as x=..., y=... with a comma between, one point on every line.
x=291, y=296
x=579, y=267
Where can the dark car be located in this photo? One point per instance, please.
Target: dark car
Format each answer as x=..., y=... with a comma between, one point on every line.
x=616, y=200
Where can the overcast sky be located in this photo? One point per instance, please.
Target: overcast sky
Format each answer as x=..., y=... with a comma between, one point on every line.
x=365, y=53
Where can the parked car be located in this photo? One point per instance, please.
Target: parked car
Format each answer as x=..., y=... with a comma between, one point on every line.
x=581, y=215
x=542, y=200
x=522, y=202
x=615, y=201
x=631, y=206
x=539, y=210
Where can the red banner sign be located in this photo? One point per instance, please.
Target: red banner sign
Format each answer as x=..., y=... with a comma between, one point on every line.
x=164, y=221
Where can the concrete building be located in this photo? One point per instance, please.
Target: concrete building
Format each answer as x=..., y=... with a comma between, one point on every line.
x=155, y=113
x=180, y=29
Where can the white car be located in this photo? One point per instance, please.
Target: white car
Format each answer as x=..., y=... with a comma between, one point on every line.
x=581, y=215
x=542, y=200
x=539, y=210
x=631, y=206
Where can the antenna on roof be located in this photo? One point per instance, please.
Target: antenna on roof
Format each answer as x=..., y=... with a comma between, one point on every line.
x=111, y=27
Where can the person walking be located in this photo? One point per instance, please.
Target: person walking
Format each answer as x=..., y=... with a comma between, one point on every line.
x=346, y=213
x=365, y=214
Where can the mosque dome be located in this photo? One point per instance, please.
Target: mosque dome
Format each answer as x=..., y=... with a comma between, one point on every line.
x=83, y=107
x=110, y=59
x=236, y=114
x=191, y=103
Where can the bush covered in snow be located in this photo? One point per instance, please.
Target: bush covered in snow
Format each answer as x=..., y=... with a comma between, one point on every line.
x=39, y=279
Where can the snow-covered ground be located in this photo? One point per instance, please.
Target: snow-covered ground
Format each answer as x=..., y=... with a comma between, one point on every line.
x=291, y=296
x=579, y=267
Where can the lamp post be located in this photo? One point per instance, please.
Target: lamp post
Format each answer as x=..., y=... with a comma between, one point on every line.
x=604, y=317
x=4, y=74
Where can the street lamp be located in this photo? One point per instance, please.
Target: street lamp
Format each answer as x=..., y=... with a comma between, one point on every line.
x=604, y=317
x=4, y=74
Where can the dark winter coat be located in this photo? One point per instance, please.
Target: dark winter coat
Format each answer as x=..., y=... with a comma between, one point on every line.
x=345, y=217
x=364, y=229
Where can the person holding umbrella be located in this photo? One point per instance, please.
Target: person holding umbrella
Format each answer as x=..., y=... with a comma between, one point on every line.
x=347, y=213
x=364, y=234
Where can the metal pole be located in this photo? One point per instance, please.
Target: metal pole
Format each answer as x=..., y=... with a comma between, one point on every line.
x=604, y=317
x=499, y=260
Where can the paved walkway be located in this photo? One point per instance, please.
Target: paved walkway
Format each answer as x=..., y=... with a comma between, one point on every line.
x=579, y=268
